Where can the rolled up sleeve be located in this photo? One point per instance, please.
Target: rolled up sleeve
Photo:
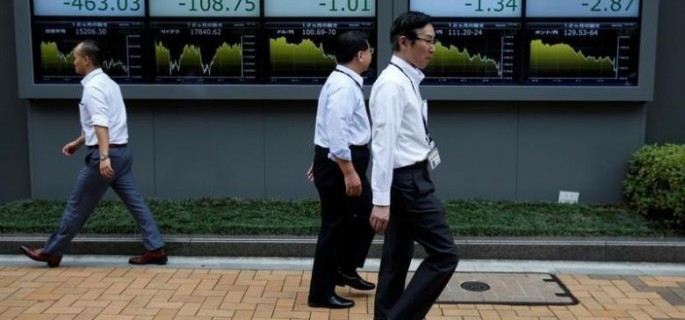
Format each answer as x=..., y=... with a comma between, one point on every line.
x=94, y=100
x=340, y=111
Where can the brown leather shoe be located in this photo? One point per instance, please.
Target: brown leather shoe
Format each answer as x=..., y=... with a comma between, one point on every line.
x=38, y=255
x=150, y=257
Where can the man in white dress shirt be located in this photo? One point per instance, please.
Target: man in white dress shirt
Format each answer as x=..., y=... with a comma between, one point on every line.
x=405, y=206
x=108, y=164
x=341, y=158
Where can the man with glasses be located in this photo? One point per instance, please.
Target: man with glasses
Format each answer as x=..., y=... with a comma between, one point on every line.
x=341, y=158
x=405, y=206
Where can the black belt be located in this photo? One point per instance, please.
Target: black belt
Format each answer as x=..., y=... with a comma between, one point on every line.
x=359, y=147
x=421, y=165
x=352, y=148
x=111, y=146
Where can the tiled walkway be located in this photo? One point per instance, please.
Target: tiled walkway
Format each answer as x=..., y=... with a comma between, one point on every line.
x=29, y=291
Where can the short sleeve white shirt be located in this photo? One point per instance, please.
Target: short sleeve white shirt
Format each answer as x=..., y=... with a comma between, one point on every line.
x=341, y=118
x=102, y=105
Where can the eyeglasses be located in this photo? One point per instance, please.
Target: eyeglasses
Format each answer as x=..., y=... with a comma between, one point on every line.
x=371, y=50
x=430, y=42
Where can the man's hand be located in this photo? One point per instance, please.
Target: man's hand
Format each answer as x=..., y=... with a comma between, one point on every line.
x=353, y=185
x=106, y=168
x=380, y=215
x=71, y=147
x=310, y=173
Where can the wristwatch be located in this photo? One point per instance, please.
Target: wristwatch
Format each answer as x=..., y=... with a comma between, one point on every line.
x=104, y=157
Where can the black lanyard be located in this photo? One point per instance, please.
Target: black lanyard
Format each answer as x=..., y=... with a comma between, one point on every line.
x=410, y=81
x=355, y=81
x=368, y=113
x=425, y=122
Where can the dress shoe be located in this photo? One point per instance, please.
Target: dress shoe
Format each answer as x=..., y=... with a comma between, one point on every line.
x=150, y=257
x=38, y=255
x=354, y=280
x=332, y=302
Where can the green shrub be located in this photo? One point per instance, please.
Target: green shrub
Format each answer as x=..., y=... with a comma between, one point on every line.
x=655, y=185
x=229, y=216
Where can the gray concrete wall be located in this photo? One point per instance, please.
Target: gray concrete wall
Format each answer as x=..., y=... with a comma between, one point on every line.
x=14, y=168
x=185, y=149
x=666, y=114
x=510, y=151
x=531, y=151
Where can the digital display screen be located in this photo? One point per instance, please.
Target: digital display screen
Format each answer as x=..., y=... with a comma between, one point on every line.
x=320, y=8
x=583, y=52
x=478, y=42
x=205, y=52
x=54, y=41
x=583, y=8
x=475, y=53
x=204, y=8
x=469, y=8
x=89, y=8
x=304, y=52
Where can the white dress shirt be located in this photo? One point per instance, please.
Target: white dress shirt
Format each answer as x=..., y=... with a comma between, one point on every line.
x=102, y=105
x=399, y=132
x=341, y=119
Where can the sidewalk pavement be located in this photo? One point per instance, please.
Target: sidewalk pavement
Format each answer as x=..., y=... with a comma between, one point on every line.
x=105, y=287
x=268, y=278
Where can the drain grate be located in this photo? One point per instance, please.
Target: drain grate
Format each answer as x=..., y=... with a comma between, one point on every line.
x=475, y=286
x=506, y=288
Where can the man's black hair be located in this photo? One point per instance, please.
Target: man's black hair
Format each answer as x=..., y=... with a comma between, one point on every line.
x=406, y=25
x=349, y=43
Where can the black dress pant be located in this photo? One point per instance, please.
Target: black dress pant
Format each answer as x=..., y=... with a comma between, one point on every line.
x=346, y=234
x=415, y=215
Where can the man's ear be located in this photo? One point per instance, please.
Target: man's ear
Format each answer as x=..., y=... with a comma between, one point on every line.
x=403, y=41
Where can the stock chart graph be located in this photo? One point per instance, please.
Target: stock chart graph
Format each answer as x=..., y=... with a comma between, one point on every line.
x=554, y=60
x=54, y=61
x=121, y=42
x=585, y=53
x=302, y=59
x=474, y=52
x=304, y=52
x=225, y=62
x=210, y=52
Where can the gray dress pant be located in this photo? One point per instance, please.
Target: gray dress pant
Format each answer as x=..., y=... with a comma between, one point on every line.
x=90, y=188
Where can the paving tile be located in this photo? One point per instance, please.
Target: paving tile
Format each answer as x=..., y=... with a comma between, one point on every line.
x=167, y=293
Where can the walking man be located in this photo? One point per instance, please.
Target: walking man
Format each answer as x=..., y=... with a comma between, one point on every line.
x=341, y=158
x=405, y=206
x=107, y=164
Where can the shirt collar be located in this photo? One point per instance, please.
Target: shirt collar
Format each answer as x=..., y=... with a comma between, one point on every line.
x=91, y=75
x=356, y=77
x=414, y=73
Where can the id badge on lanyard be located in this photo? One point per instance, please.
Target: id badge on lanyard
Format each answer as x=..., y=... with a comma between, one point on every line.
x=433, y=154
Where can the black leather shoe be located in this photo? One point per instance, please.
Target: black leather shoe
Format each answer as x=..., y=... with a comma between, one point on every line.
x=355, y=281
x=332, y=302
x=150, y=257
